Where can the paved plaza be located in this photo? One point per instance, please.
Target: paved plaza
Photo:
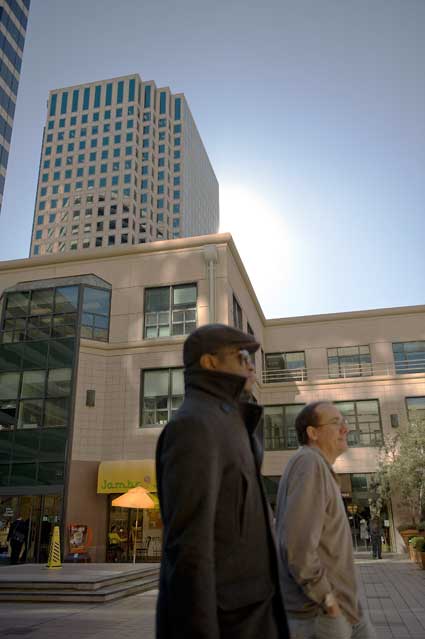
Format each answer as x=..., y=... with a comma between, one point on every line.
x=393, y=590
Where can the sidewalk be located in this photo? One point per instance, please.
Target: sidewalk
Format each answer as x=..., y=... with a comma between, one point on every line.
x=392, y=589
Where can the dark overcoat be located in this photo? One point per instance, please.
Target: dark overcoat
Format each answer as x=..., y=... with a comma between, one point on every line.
x=219, y=577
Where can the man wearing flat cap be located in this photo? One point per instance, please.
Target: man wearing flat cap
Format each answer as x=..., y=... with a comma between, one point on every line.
x=219, y=566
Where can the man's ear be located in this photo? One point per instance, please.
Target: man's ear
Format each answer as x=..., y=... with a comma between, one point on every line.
x=208, y=361
x=312, y=433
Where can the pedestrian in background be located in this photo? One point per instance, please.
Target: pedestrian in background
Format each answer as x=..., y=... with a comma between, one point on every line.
x=219, y=576
x=17, y=537
x=318, y=578
x=376, y=533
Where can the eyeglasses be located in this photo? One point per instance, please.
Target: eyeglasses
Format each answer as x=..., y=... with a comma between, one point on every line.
x=243, y=355
x=339, y=423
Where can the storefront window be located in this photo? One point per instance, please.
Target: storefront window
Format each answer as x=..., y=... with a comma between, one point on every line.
x=122, y=534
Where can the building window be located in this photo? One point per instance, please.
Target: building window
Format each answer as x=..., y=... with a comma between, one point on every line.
x=162, y=102
x=162, y=394
x=237, y=314
x=364, y=422
x=409, y=357
x=95, y=316
x=279, y=427
x=416, y=410
x=170, y=310
x=177, y=109
x=349, y=361
x=284, y=367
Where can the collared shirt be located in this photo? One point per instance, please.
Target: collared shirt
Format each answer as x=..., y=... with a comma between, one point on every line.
x=314, y=538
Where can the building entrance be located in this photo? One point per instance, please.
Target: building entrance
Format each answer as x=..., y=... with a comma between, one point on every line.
x=362, y=504
x=39, y=514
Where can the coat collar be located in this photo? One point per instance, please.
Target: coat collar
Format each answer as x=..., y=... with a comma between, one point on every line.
x=225, y=387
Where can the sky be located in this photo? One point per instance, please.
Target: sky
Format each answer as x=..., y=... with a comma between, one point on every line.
x=312, y=113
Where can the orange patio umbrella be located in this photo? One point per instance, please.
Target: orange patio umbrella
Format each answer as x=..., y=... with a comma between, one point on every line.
x=135, y=498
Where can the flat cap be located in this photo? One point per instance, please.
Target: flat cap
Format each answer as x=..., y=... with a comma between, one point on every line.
x=212, y=337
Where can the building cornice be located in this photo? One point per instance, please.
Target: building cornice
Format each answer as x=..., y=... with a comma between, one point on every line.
x=347, y=315
x=96, y=255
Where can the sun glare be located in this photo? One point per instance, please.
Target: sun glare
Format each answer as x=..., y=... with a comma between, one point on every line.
x=261, y=238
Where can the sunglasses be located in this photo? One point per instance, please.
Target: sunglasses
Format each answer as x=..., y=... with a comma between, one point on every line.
x=243, y=355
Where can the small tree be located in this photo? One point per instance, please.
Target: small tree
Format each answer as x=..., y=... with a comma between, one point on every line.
x=402, y=467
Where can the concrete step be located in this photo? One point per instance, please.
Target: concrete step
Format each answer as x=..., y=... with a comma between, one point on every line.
x=84, y=582
x=72, y=595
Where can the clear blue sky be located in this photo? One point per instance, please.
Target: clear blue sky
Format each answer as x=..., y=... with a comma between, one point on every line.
x=312, y=113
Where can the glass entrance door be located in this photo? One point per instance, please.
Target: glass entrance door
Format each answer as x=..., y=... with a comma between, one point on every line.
x=40, y=513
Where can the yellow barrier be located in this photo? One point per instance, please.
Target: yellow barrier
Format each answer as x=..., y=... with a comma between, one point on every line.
x=54, y=560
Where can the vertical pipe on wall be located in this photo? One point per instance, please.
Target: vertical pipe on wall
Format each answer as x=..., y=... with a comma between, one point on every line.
x=211, y=259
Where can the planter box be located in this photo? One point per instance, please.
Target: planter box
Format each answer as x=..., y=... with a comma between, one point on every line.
x=422, y=560
x=412, y=553
x=408, y=534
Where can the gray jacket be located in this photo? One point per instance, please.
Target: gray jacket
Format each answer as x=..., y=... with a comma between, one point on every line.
x=314, y=538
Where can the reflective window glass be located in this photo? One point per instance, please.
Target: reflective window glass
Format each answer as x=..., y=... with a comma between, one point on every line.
x=26, y=444
x=51, y=473
x=33, y=383
x=23, y=474
x=30, y=413
x=59, y=382
x=9, y=385
x=56, y=413
x=66, y=299
x=61, y=353
x=41, y=302
x=96, y=301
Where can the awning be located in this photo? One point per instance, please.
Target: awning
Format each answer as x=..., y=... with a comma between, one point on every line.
x=120, y=476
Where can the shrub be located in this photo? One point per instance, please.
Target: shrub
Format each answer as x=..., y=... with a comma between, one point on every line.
x=415, y=542
x=420, y=544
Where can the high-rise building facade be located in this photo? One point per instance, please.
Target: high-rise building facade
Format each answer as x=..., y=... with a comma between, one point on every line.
x=13, y=25
x=122, y=163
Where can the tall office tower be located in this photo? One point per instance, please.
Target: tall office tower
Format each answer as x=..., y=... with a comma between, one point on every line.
x=122, y=163
x=13, y=25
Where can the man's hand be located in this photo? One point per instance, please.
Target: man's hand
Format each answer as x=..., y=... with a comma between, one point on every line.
x=334, y=610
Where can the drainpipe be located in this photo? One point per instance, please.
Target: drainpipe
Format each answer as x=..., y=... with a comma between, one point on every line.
x=211, y=259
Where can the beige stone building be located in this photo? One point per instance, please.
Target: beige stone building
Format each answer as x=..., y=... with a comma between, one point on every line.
x=91, y=369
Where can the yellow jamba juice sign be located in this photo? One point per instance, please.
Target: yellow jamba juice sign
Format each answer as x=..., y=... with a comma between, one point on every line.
x=120, y=476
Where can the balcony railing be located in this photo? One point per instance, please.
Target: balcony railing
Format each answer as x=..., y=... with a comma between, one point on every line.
x=278, y=376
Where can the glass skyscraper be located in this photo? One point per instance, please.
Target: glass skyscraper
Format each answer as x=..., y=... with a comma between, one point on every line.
x=13, y=21
x=122, y=163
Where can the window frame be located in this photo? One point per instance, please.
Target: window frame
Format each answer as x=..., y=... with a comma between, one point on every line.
x=359, y=369
x=170, y=370
x=405, y=363
x=285, y=374
x=358, y=430
x=284, y=436
x=171, y=310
